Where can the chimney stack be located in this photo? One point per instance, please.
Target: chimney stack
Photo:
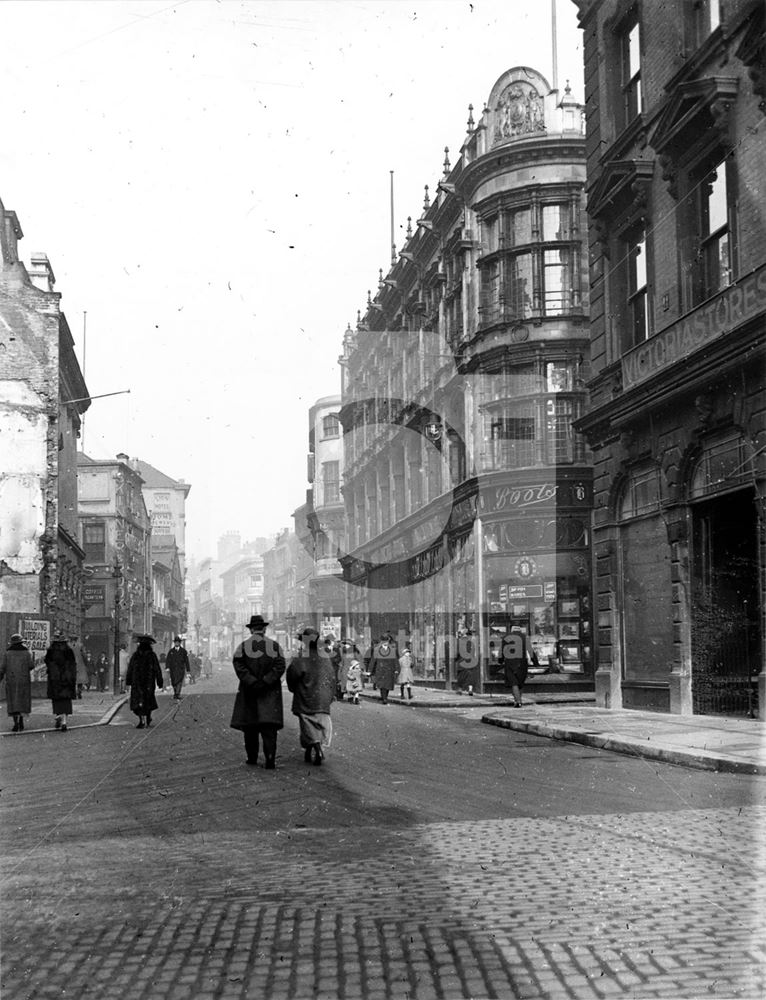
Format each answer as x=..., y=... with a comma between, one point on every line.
x=41, y=273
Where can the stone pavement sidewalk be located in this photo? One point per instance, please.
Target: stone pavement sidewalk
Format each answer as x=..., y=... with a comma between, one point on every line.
x=95, y=708
x=425, y=697
x=713, y=743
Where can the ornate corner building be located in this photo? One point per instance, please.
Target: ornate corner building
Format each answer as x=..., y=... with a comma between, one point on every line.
x=675, y=99
x=467, y=490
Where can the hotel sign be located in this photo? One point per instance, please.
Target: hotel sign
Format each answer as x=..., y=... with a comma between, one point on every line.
x=736, y=305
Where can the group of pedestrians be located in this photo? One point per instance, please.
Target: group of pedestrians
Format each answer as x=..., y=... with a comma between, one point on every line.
x=70, y=669
x=320, y=672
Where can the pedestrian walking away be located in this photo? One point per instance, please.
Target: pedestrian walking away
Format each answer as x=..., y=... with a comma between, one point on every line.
x=405, y=677
x=258, y=713
x=311, y=678
x=62, y=679
x=141, y=678
x=16, y=667
x=82, y=669
x=382, y=662
x=102, y=671
x=515, y=658
x=178, y=666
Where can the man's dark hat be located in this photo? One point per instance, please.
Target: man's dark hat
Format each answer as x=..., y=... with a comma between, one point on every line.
x=145, y=638
x=257, y=621
x=177, y=638
x=308, y=633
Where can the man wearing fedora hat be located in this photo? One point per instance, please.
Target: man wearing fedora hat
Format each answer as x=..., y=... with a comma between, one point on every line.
x=177, y=664
x=258, y=712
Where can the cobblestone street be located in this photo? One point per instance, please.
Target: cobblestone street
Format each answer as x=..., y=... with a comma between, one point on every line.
x=155, y=865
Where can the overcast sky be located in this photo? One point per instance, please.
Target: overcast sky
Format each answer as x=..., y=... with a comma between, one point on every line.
x=210, y=181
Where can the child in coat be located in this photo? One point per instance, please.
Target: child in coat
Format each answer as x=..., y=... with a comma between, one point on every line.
x=405, y=676
x=354, y=680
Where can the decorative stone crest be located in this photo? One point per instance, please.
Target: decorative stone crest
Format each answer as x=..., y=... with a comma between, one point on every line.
x=519, y=111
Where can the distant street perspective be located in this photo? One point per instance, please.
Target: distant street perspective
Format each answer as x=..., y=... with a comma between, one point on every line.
x=428, y=856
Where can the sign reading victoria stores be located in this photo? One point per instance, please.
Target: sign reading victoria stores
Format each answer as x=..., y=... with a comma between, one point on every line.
x=739, y=303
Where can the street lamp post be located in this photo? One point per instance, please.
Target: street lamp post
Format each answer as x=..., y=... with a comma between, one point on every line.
x=197, y=627
x=117, y=575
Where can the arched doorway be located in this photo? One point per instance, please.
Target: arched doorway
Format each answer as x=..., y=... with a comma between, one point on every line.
x=725, y=608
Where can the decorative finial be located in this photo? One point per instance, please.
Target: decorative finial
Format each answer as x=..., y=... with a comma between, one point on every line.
x=426, y=201
x=447, y=167
x=471, y=122
x=486, y=109
x=409, y=226
x=369, y=298
x=358, y=318
x=380, y=276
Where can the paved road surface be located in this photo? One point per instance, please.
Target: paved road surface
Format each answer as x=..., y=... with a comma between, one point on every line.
x=431, y=856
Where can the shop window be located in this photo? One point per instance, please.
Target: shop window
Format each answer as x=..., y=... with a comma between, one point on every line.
x=630, y=59
x=94, y=542
x=642, y=494
x=715, y=248
x=330, y=426
x=416, y=484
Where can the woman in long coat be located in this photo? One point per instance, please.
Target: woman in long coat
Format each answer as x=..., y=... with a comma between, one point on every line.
x=16, y=667
x=383, y=665
x=311, y=678
x=62, y=679
x=143, y=676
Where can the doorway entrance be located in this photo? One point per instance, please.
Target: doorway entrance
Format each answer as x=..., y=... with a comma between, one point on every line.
x=725, y=605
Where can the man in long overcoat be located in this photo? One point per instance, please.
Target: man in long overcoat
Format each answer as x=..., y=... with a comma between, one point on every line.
x=178, y=666
x=258, y=712
x=382, y=661
x=16, y=667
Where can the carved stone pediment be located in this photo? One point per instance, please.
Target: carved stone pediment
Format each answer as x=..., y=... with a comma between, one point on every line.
x=693, y=108
x=622, y=187
x=519, y=112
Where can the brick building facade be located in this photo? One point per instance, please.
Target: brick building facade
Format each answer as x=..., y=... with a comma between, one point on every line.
x=42, y=399
x=676, y=145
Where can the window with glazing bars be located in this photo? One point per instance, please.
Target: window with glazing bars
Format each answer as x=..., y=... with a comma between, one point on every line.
x=512, y=433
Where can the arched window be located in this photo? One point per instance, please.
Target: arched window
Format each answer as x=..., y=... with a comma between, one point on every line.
x=722, y=466
x=641, y=494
